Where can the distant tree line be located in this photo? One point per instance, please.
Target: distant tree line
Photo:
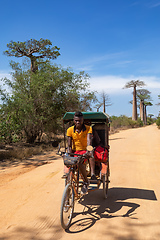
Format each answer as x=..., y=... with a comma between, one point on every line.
x=141, y=99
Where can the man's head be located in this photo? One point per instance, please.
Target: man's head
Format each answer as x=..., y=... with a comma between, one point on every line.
x=78, y=120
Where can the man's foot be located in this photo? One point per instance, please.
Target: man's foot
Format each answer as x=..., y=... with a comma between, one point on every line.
x=93, y=177
x=84, y=188
x=64, y=176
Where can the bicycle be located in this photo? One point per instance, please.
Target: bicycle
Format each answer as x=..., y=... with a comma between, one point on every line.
x=72, y=189
x=73, y=184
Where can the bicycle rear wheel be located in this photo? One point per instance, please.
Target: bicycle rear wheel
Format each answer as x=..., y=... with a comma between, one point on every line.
x=67, y=206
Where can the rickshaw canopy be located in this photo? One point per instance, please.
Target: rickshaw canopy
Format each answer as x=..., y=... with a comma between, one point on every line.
x=93, y=116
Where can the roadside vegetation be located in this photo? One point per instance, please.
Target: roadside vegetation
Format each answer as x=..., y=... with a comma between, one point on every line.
x=158, y=122
x=124, y=122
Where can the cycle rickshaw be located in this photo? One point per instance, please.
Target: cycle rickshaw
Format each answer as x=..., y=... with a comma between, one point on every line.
x=73, y=182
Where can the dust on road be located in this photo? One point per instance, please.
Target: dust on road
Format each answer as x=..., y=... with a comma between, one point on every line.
x=30, y=198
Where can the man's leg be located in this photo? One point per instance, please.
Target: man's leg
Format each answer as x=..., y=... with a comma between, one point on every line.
x=66, y=171
x=82, y=168
x=84, y=189
x=92, y=165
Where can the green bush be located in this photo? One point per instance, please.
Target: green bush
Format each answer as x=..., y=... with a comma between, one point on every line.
x=150, y=121
x=124, y=122
x=9, y=130
x=140, y=123
x=158, y=122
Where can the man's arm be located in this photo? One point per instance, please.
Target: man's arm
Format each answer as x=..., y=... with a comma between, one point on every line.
x=69, y=145
x=89, y=139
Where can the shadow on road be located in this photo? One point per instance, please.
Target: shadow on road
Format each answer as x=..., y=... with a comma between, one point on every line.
x=114, y=206
x=111, y=139
x=120, y=203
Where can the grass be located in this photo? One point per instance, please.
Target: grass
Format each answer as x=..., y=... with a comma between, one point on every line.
x=22, y=150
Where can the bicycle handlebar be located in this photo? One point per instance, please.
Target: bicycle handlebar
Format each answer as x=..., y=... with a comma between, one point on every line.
x=73, y=154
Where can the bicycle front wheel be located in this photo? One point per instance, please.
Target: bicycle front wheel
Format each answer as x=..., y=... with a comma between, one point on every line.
x=67, y=206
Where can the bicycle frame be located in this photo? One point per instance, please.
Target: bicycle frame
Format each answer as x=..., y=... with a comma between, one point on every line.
x=74, y=180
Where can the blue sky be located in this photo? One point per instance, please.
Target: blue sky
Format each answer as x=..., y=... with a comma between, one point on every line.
x=114, y=41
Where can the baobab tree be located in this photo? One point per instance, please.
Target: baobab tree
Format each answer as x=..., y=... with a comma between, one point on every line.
x=98, y=105
x=34, y=50
x=134, y=84
x=143, y=94
x=150, y=115
x=104, y=101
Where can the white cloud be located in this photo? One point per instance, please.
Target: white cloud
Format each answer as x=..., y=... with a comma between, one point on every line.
x=108, y=83
x=151, y=82
x=3, y=75
x=114, y=84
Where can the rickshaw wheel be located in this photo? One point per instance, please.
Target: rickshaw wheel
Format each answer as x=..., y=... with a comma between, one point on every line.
x=67, y=206
x=105, y=180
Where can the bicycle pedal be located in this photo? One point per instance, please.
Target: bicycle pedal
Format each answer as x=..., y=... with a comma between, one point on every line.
x=94, y=181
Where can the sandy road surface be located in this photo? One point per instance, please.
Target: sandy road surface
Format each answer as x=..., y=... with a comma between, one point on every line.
x=30, y=201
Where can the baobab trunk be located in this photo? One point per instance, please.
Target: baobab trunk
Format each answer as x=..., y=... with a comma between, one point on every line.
x=34, y=66
x=104, y=105
x=142, y=110
x=134, y=110
x=145, y=115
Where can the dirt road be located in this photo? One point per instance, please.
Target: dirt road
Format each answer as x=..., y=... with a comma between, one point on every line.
x=30, y=200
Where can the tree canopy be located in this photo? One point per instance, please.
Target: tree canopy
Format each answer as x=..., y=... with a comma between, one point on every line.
x=134, y=83
x=34, y=50
x=143, y=94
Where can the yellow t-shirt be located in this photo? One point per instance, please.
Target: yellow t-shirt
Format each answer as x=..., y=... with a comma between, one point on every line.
x=79, y=140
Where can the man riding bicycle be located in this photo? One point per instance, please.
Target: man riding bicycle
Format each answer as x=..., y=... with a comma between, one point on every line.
x=79, y=137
